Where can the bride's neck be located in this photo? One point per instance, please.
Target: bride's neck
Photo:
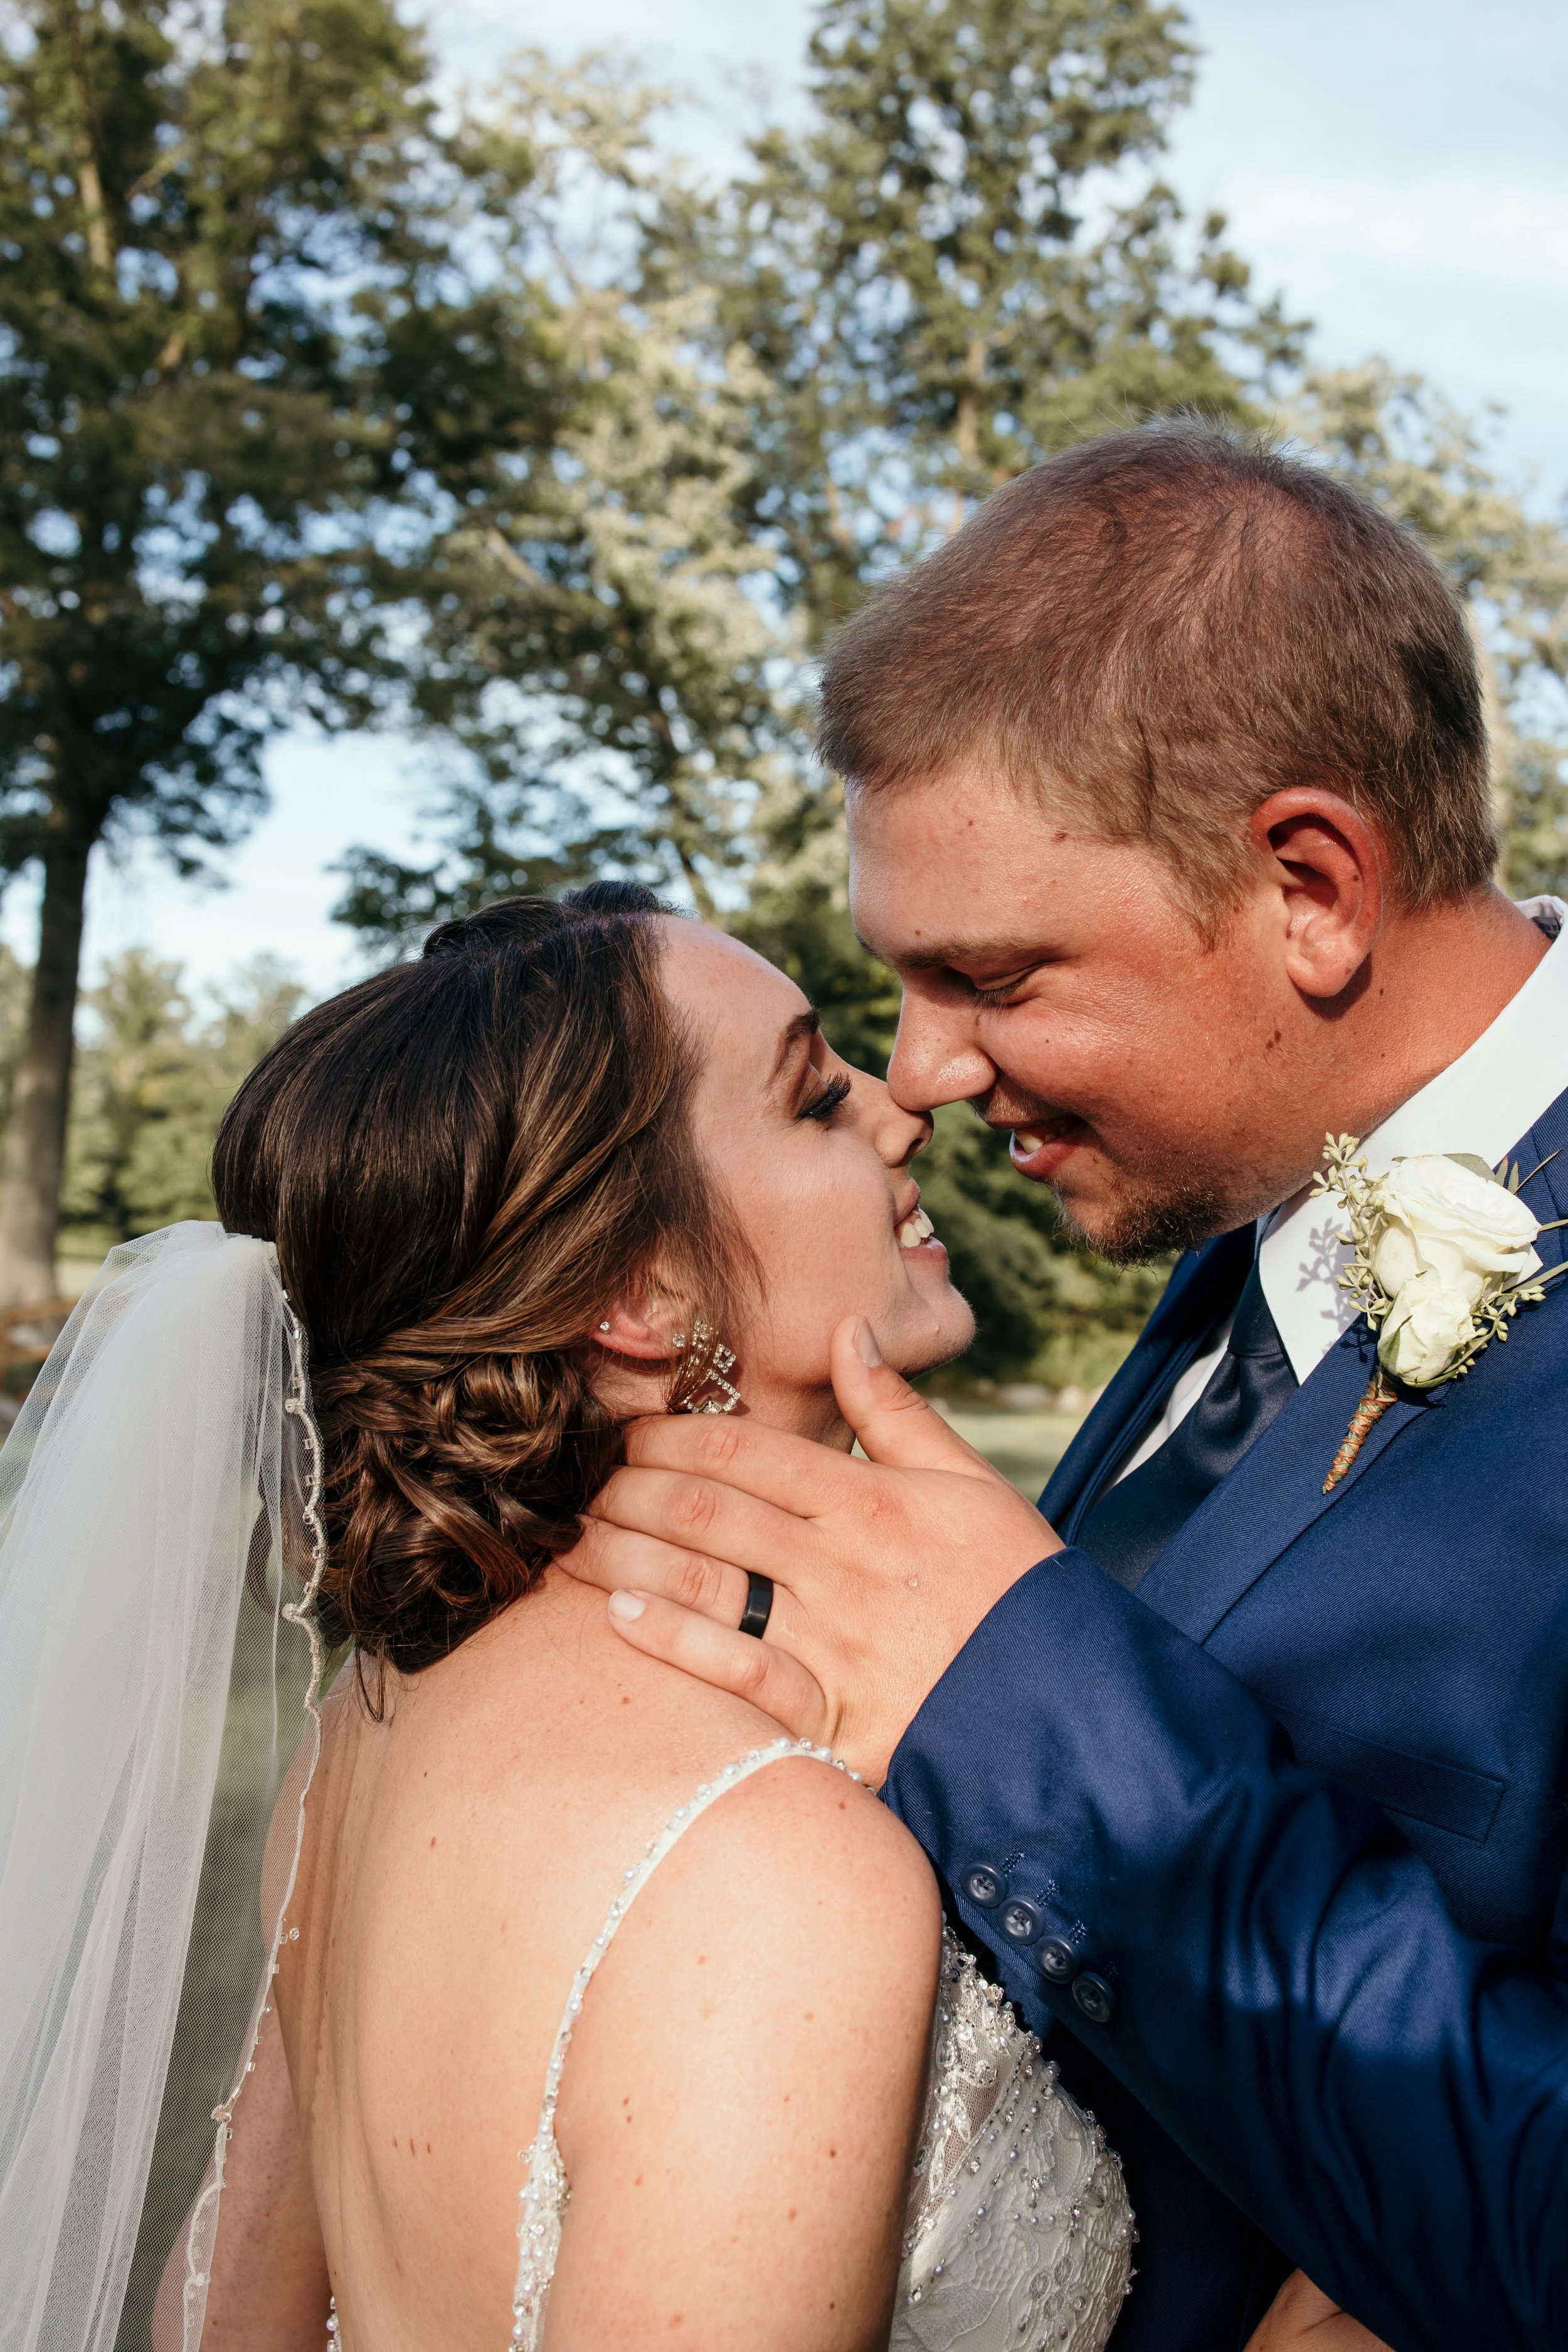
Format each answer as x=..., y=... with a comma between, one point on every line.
x=804, y=1412
x=817, y=1416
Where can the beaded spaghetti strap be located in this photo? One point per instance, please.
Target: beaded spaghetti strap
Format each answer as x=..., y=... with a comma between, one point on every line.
x=546, y=2190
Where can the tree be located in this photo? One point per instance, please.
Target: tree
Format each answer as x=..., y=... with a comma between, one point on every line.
x=963, y=263
x=1405, y=445
x=602, y=654
x=798, y=377
x=155, y=1074
x=251, y=324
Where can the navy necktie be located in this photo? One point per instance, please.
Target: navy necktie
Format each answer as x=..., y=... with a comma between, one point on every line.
x=1130, y=1526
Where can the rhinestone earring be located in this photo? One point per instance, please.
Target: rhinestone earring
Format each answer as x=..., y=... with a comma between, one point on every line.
x=708, y=1367
x=604, y=1325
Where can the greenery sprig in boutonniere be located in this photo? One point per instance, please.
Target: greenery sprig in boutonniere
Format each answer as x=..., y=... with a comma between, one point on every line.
x=1442, y=1253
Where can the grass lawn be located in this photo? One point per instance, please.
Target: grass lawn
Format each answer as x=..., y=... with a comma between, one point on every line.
x=1024, y=1446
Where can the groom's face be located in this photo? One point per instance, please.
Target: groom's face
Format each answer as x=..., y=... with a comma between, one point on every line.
x=1060, y=984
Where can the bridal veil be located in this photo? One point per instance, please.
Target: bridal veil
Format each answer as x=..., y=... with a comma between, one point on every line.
x=159, y=1550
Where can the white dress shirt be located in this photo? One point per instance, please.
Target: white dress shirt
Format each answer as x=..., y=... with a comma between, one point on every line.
x=1482, y=1104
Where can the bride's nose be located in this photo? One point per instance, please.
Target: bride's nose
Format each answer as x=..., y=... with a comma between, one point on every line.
x=898, y=1135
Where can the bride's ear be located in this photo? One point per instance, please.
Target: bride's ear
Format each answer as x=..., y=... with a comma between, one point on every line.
x=634, y=1327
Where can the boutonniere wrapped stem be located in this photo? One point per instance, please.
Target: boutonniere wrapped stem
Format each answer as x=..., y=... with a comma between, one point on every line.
x=1442, y=1253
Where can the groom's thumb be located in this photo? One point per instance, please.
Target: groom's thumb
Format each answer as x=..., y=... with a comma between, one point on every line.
x=893, y=1423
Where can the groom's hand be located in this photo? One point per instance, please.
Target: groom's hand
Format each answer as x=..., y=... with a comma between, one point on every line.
x=882, y=1568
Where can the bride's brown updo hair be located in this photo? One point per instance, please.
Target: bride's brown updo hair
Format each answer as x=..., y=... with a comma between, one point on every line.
x=463, y=1162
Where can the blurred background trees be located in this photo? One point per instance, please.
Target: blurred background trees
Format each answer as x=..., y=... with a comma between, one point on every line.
x=495, y=424
x=240, y=277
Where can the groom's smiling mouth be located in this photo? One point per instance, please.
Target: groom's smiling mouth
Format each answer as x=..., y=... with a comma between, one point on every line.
x=1041, y=1150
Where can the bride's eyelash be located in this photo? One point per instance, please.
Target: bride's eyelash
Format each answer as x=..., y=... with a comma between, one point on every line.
x=824, y=1105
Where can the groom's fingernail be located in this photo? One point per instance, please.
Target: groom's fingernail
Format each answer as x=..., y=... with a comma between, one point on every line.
x=626, y=1605
x=866, y=1345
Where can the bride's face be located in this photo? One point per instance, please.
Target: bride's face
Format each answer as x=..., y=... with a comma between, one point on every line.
x=815, y=1158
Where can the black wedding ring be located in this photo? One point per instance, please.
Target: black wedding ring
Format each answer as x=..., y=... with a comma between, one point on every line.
x=759, y=1605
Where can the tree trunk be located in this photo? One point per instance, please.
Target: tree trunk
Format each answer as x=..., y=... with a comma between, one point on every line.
x=35, y=1151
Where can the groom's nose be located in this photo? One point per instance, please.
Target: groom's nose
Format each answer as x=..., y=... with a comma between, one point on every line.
x=936, y=1058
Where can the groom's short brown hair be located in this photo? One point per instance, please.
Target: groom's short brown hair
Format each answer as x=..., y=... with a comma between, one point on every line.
x=1163, y=628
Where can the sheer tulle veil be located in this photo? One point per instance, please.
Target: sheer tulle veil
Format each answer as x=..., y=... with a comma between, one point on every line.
x=159, y=1676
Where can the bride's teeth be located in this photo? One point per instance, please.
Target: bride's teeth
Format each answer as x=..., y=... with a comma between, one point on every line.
x=917, y=1227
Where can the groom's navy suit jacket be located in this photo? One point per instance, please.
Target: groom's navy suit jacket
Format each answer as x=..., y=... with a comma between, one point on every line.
x=1300, y=1805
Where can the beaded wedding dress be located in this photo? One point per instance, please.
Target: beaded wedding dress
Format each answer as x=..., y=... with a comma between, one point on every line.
x=1018, y=2232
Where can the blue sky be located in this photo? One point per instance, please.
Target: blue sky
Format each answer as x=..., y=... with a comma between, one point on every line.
x=1396, y=168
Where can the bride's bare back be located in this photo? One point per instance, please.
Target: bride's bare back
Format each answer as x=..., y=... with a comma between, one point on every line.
x=738, y=2109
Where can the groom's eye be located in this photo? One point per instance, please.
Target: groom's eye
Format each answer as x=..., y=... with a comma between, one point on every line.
x=1000, y=992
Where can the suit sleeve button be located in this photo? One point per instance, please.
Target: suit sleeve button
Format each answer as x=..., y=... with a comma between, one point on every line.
x=1094, y=1998
x=1021, y=1923
x=985, y=1887
x=1058, y=1961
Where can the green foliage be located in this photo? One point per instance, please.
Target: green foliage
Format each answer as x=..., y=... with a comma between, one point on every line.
x=155, y=1074
x=1405, y=446
x=392, y=906
x=234, y=337
x=257, y=321
x=599, y=648
x=963, y=263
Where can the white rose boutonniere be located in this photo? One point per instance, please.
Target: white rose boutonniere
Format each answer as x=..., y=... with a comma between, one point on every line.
x=1443, y=1252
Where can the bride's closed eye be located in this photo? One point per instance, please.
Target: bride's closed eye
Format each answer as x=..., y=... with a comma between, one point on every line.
x=824, y=1105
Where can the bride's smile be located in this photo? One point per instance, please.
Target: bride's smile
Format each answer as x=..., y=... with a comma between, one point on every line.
x=814, y=1158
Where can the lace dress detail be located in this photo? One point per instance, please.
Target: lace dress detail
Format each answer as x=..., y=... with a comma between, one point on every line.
x=1018, y=2231
x=1018, y=2235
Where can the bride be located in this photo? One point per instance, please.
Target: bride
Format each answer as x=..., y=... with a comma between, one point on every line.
x=593, y=2013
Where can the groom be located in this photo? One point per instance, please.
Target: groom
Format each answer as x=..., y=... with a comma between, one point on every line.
x=1169, y=806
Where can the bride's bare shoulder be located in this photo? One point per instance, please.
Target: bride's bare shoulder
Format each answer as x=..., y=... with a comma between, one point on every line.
x=746, y=2076
x=546, y=1750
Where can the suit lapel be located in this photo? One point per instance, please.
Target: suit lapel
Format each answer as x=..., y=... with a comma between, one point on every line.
x=1276, y=1490
x=1174, y=1335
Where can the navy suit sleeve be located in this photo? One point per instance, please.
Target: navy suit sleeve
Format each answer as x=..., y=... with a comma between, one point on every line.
x=1388, y=2099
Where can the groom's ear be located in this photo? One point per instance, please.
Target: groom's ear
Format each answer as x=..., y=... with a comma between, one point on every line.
x=1326, y=868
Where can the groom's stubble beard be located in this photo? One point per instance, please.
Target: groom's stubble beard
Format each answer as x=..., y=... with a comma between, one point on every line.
x=1162, y=1209
x=1152, y=1223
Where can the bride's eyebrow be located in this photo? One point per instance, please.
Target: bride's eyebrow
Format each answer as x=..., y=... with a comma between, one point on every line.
x=795, y=1033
